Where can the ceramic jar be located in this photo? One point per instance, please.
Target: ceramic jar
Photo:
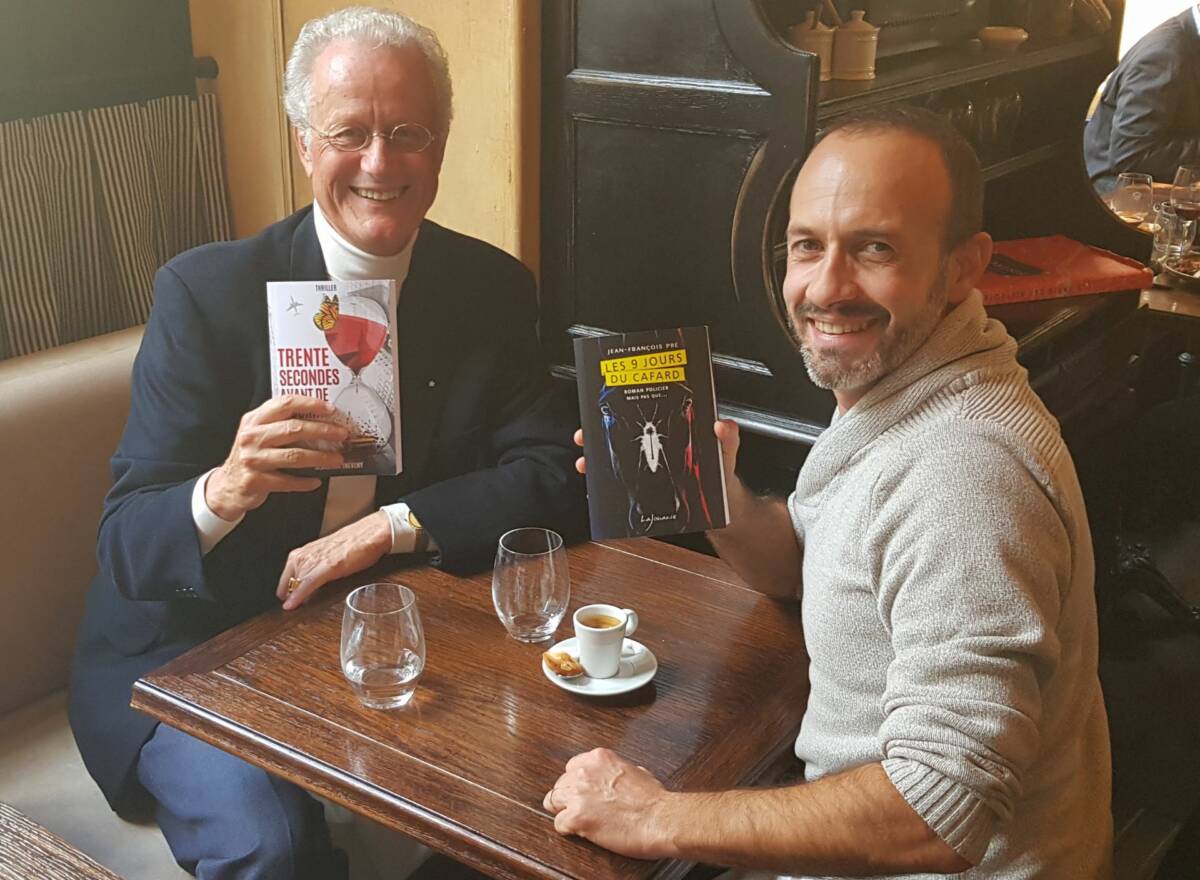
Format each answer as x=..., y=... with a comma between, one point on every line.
x=855, y=44
x=1053, y=18
x=812, y=36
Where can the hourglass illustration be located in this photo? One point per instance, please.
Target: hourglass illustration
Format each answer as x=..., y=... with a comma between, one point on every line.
x=356, y=328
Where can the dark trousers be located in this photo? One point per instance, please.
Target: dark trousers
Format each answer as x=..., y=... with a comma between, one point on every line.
x=225, y=819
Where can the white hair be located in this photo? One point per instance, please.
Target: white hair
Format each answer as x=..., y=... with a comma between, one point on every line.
x=372, y=28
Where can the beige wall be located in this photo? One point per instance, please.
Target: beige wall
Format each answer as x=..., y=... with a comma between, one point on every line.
x=241, y=36
x=489, y=185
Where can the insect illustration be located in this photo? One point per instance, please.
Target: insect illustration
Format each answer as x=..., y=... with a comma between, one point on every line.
x=327, y=317
x=651, y=443
x=652, y=448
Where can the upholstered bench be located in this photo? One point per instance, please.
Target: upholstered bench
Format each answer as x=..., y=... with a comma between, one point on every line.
x=61, y=414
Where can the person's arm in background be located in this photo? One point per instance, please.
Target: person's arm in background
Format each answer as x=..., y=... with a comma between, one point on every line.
x=1156, y=93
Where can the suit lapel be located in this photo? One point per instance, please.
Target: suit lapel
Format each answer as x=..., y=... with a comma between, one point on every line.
x=423, y=348
x=307, y=263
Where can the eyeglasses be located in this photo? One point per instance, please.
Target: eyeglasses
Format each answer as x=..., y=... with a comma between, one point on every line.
x=407, y=137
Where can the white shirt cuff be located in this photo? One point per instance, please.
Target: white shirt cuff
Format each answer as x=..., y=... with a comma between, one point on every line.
x=404, y=536
x=210, y=528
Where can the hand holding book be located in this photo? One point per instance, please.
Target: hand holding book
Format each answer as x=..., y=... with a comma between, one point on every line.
x=336, y=341
x=277, y=436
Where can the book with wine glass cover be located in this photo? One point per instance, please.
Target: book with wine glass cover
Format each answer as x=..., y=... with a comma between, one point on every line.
x=647, y=407
x=335, y=340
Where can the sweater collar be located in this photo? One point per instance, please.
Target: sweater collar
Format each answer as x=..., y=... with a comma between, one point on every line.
x=964, y=347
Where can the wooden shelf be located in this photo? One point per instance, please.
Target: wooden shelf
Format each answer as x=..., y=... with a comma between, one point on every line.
x=909, y=76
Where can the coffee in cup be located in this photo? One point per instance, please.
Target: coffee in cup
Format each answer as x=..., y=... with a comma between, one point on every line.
x=600, y=632
x=601, y=621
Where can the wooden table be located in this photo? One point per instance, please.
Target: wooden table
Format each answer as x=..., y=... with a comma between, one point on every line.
x=1169, y=300
x=465, y=766
x=28, y=850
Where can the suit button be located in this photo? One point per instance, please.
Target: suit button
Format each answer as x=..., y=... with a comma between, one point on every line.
x=432, y=383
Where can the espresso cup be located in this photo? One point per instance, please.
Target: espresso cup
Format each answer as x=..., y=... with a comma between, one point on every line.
x=600, y=632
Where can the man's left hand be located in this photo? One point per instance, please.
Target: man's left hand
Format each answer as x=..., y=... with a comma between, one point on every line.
x=612, y=803
x=337, y=555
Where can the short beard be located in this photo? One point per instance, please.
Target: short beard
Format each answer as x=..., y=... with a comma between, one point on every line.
x=829, y=372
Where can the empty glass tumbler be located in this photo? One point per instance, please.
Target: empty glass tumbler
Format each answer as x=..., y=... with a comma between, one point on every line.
x=383, y=644
x=531, y=584
x=1174, y=233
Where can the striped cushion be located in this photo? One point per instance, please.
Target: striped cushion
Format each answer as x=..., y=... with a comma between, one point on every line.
x=91, y=204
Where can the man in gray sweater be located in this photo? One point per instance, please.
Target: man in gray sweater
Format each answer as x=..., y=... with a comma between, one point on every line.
x=938, y=542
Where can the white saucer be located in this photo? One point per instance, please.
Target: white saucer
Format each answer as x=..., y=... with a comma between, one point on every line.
x=636, y=669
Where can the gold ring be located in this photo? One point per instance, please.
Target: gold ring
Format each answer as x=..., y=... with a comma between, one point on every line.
x=293, y=585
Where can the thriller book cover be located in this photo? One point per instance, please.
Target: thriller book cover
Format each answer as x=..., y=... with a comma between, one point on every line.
x=647, y=405
x=335, y=340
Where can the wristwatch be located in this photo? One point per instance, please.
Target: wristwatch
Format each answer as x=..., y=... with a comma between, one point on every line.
x=420, y=536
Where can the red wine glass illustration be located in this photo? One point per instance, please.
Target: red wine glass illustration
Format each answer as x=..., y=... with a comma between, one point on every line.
x=356, y=328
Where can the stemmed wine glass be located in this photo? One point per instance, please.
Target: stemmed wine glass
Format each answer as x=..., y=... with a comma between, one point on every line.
x=1133, y=197
x=1185, y=192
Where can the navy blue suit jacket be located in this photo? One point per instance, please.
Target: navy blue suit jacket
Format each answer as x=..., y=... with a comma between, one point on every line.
x=1148, y=118
x=486, y=447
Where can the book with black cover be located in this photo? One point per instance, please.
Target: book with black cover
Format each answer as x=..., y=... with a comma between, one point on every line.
x=335, y=340
x=647, y=404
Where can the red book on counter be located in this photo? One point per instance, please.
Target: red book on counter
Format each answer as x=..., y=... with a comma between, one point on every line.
x=1056, y=266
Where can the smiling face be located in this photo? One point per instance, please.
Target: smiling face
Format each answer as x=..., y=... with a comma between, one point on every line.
x=377, y=197
x=868, y=278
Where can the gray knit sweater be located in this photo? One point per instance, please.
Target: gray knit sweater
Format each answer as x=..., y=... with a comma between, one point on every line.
x=949, y=608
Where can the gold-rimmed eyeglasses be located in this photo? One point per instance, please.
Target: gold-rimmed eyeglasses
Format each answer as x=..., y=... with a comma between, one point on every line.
x=407, y=137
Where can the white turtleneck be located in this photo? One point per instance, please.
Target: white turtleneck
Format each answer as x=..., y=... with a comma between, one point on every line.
x=349, y=498
x=347, y=262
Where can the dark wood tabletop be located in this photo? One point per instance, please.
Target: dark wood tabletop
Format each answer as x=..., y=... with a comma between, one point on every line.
x=465, y=766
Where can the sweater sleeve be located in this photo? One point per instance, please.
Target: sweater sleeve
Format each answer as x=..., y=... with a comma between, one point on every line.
x=972, y=560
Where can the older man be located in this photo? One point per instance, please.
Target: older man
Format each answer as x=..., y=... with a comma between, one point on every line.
x=205, y=525
x=938, y=541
